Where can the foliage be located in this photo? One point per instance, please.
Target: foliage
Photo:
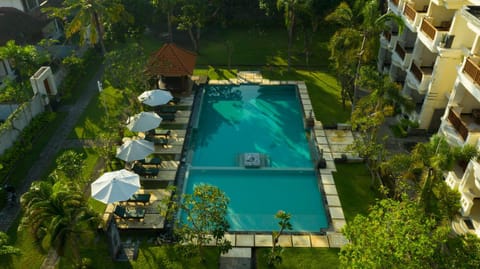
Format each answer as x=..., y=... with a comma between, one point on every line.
x=205, y=213
x=70, y=163
x=24, y=59
x=137, y=16
x=420, y=174
x=88, y=18
x=15, y=92
x=356, y=42
x=60, y=213
x=274, y=257
x=22, y=146
x=393, y=234
x=301, y=258
x=5, y=248
x=125, y=68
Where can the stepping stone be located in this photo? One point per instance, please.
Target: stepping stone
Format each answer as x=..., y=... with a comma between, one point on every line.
x=338, y=224
x=327, y=179
x=336, y=212
x=319, y=241
x=245, y=240
x=285, y=241
x=263, y=240
x=337, y=240
x=330, y=190
x=301, y=241
x=333, y=200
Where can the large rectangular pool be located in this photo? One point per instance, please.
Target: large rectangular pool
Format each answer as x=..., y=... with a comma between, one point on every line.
x=234, y=120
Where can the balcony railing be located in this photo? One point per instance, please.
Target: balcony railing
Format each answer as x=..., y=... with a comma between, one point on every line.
x=410, y=12
x=400, y=51
x=416, y=71
x=428, y=29
x=458, y=124
x=473, y=70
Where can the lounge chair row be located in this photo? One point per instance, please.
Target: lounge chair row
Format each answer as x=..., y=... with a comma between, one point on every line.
x=145, y=171
x=129, y=212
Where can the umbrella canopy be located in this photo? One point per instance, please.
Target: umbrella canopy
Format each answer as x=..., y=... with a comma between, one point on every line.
x=143, y=121
x=115, y=186
x=155, y=97
x=133, y=150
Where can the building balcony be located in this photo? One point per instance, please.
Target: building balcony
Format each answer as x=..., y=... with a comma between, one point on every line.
x=433, y=36
x=469, y=76
x=414, y=16
x=472, y=69
x=450, y=4
x=388, y=39
x=396, y=6
x=402, y=56
x=461, y=129
x=419, y=77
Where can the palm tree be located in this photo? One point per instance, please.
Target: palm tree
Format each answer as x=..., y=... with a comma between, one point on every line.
x=59, y=211
x=290, y=9
x=88, y=18
x=355, y=42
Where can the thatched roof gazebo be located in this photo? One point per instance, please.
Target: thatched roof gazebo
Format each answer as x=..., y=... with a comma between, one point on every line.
x=173, y=66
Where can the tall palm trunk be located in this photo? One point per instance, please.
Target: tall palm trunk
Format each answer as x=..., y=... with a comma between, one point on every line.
x=100, y=32
x=357, y=71
x=192, y=38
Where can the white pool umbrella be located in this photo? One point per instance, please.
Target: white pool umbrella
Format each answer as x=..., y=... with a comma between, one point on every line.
x=133, y=150
x=143, y=121
x=155, y=97
x=115, y=186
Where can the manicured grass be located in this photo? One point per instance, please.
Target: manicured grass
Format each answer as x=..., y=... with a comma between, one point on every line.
x=302, y=258
x=149, y=256
x=354, y=186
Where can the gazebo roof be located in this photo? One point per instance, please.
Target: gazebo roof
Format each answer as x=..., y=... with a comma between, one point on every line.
x=171, y=61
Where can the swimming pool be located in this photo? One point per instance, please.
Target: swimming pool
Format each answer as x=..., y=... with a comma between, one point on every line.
x=234, y=120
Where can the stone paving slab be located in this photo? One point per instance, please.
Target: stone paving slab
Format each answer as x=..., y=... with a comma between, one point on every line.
x=245, y=240
x=263, y=240
x=321, y=139
x=236, y=258
x=327, y=179
x=336, y=212
x=333, y=200
x=301, y=241
x=337, y=240
x=319, y=241
x=231, y=238
x=238, y=253
x=285, y=241
x=330, y=189
x=338, y=224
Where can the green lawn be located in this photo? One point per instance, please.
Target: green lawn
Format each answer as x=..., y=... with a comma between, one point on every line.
x=354, y=186
x=302, y=258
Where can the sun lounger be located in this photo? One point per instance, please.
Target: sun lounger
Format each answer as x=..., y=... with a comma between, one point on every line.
x=154, y=161
x=145, y=172
x=167, y=116
x=162, y=141
x=166, y=109
x=162, y=132
x=140, y=198
x=129, y=212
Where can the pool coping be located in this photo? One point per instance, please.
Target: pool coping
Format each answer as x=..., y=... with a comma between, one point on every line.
x=331, y=237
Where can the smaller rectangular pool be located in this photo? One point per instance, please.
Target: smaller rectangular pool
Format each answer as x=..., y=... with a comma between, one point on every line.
x=257, y=194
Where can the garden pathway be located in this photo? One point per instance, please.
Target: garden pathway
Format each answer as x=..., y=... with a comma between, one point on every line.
x=9, y=214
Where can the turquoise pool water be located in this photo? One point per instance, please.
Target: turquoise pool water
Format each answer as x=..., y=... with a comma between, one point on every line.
x=264, y=119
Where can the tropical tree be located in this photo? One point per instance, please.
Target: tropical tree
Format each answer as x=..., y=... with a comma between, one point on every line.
x=370, y=114
x=89, y=18
x=204, y=212
x=167, y=7
x=420, y=174
x=193, y=16
x=60, y=213
x=70, y=163
x=395, y=234
x=125, y=68
x=355, y=43
x=290, y=9
x=274, y=257
x=25, y=60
